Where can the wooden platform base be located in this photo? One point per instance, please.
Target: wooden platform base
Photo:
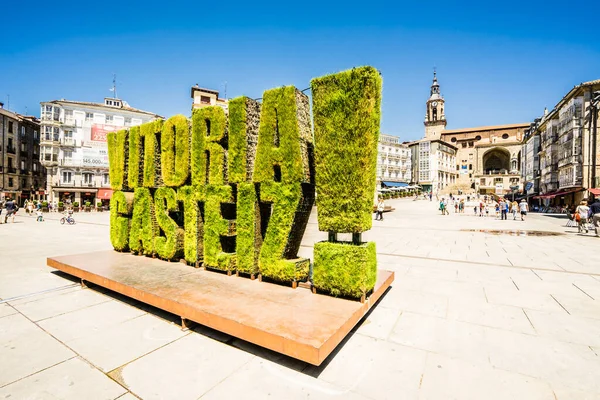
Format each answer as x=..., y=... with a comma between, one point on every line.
x=293, y=322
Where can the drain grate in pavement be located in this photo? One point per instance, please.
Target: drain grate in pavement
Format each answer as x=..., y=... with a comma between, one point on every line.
x=513, y=232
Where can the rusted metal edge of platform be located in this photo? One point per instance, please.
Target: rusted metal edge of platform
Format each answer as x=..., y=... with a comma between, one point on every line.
x=293, y=322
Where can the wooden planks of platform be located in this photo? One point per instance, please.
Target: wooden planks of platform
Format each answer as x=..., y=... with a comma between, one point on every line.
x=294, y=322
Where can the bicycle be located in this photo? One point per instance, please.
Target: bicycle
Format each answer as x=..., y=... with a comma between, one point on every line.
x=68, y=218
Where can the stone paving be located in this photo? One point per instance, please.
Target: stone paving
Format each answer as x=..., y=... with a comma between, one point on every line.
x=471, y=315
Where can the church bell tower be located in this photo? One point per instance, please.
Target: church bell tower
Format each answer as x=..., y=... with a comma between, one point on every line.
x=435, y=119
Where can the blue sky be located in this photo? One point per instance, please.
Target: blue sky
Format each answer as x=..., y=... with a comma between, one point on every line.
x=497, y=62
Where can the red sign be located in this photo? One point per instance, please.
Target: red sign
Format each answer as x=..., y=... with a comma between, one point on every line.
x=99, y=132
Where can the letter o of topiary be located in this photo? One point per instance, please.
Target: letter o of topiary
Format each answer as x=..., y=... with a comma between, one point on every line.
x=170, y=246
x=346, y=110
x=175, y=151
x=121, y=205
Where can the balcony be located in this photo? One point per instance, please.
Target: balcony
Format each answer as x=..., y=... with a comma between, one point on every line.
x=499, y=172
x=65, y=184
x=49, y=139
x=67, y=142
x=70, y=122
x=10, y=149
x=23, y=172
x=12, y=170
x=573, y=159
x=23, y=153
x=68, y=162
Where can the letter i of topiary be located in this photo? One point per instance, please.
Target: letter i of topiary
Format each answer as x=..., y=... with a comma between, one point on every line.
x=346, y=110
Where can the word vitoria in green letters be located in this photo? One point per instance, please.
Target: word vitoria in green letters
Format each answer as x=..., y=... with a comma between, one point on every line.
x=232, y=189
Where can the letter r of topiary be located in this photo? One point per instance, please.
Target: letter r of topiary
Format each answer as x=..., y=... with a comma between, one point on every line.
x=346, y=111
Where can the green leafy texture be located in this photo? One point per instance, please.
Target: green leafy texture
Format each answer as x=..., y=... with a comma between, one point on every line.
x=345, y=269
x=284, y=133
x=192, y=223
x=135, y=157
x=148, y=132
x=121, y=205
x=244, y=115
x=116, y=158
x=272, y=262
x=175, y=151
x=209, y=127
x=346, y=111
x=170, y=246
x=143, y=224
x=215, y=227
x=249, y=239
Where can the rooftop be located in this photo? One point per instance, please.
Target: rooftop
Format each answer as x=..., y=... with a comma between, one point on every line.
x=485, y=128
x=101, y=105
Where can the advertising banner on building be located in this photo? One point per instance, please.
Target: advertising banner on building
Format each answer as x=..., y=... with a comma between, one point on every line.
x=464, y=170
x=499, y=188
x=95, y=157
x=99, y=132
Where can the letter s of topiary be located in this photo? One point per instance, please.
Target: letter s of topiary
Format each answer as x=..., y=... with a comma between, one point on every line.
x=175, y=151
x=143, y=224
x=121, y=206
x=282, y=169
x=170, y=246
x=346, y=110
x=118, y=145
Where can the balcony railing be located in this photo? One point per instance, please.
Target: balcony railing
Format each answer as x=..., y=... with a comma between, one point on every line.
x=10, y=149
x=74, y=183
x=67, y=142
x=572, y=159
x=499, y=172
x=49, y=139
x=24, y=172
x=12, y=170
x=23, y=153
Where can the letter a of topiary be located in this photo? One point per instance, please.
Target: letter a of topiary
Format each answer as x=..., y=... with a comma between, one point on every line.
x=175, y=151
x=143, y=224
x=121, y=205
x=346, y=110
x=283, y=172
x=117, y=155
x=170, y=246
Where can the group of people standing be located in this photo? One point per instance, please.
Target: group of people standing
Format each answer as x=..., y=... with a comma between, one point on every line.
x=503, y=207
x=585, y=215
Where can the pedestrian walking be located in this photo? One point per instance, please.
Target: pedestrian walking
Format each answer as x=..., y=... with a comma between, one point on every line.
x=444, y=207
x=523, y=208
x=11, y=210
x=481, y=207
x=595, y=212
x=455, y=207
x=380, y=208
x=582, y=213
x=503, y=209
x=514, y=206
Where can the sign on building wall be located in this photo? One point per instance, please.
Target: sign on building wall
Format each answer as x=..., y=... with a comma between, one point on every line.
x=95, y=157
x=99, y=132
x=499, y=188
x=464, y=170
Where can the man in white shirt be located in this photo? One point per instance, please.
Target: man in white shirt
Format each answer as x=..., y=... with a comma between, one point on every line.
x=523, y=207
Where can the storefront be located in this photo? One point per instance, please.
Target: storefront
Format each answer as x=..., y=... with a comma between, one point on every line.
x=104, y=196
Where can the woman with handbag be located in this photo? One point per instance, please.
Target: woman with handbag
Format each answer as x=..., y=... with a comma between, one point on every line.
x=581, y=216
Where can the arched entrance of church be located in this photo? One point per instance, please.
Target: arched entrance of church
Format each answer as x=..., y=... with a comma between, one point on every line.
x=496, y=161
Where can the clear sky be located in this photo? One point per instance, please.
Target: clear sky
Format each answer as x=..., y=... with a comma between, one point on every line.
x=497, y=62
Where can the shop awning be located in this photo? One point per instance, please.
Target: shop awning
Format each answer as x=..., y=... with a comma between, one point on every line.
x=595, y=191
x=562, y=193
x=104, y=194
x=395, y=184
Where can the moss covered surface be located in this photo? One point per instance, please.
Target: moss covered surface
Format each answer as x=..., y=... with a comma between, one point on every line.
x=249, y=239
x=244, y=115
x=215, y=227
x=193, y=223
x=169, y=246
x=136, y=158
x=143, y=224
x=209, y=136
x=272, y=262
x=117, y=155
x=283, y=133
x=151, y=156
x=121, y=206
x=175, y=151
x=346, y=110
x=345, y=269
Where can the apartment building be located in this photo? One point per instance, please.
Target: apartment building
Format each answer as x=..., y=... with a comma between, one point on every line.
x=393, y=162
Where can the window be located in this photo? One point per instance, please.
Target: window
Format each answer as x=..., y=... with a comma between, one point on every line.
x=23, y=183
x=23, y=147
x=89, y=116
x=68, y=154
x=117, y=104
x=497, y=180
x=471, y=166
x=87, y=178
x=477, y=137
x=105, y=179
x=10, y=127
x=22, y=164
x=66, y=176
x=109, y=102
x=464, y=145
x=68, y=113
x=453, y=140
x=457, y=167
x=35, y=135
x=35, y=167
x=109, y=119
x=22, y=131
x=127, y=121
x=10, y=182
x=505, y=136
x=482, y=181
x=470, y=144
x=204, y=99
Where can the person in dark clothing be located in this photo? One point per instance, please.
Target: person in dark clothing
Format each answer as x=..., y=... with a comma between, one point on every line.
x=11, y=209
x=595, y=213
